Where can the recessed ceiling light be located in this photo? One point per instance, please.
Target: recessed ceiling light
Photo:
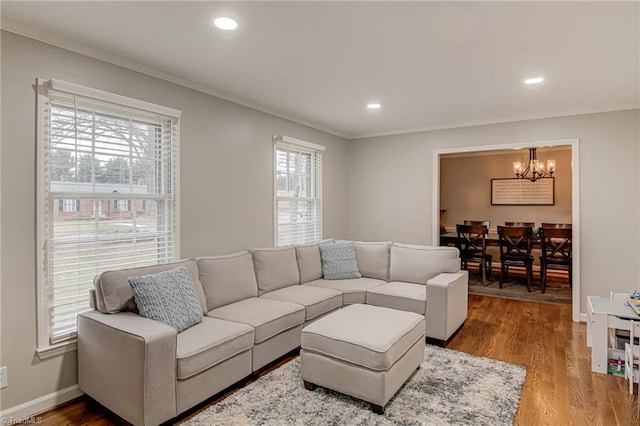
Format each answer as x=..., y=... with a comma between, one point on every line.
x=225, y=23
x=374, y=106
x=534, y=80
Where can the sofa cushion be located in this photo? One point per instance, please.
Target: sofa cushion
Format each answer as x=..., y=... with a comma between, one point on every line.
x=373, y=259
x=353, y=291
x=114, y=294
x=227, y=279
x=267, y=317
x=399, y=295
x=376, y=340
x=316, y=300
x=168, y=297
x=209, y=343
x=275, y=268
x=339, y=261
x=418, y=264
x=309, y=261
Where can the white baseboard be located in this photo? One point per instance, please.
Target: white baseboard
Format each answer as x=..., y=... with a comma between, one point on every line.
x=583, y=318
x=41, y=404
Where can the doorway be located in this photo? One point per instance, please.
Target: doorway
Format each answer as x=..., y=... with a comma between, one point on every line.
x=478, y=152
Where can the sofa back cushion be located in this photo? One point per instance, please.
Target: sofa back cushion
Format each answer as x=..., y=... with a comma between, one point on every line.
x=113, y=292
x=227, y=279
x=309, y=261
x=373, y=259
x=418, y=264
x=275, y=267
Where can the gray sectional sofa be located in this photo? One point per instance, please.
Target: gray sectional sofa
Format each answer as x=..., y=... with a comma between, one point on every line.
x=254, y=304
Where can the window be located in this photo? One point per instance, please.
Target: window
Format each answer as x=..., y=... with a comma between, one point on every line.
x=298, y=191
x=68, y=205
x=122, y=205
x=113, y=162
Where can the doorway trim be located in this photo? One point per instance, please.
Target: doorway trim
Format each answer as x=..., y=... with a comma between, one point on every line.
x=575, y=199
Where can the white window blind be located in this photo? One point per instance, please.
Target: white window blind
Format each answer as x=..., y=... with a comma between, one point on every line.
x=298, y=191
x=113, y=169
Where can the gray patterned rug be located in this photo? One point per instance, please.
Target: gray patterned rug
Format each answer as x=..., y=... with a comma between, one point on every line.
x=558, y=293
x=451, y=388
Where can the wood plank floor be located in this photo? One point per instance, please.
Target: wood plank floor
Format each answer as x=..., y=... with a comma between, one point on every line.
x=559, y=389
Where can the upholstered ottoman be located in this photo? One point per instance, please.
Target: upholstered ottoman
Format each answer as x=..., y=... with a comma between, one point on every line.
x=364, y=351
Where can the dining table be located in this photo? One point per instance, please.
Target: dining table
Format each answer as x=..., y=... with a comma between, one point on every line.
x=451, y=238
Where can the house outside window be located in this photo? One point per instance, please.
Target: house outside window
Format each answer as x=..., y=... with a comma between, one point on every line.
x=122, y=205
x=68, y=205
x=298, y=191
x=101, y=158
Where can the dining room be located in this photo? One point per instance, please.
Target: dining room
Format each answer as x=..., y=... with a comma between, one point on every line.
x=496, y=189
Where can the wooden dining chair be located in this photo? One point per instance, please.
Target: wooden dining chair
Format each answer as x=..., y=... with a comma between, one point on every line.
x=556, y=252
x=555, y=225
x=478, y=222
x=515, y=250
x=520, y=224
x=472, y=243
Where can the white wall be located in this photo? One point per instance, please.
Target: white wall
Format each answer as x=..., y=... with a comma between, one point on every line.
x=391, y=180
x=226, y=180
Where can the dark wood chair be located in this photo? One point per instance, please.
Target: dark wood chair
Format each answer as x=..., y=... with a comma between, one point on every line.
x=515, y=250
x=556, y=252
x=555, y=225
x=478, y=222
x=472, y=243
x=520, y=224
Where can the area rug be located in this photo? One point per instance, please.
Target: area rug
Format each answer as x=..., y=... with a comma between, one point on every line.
x=450, y=388
x=514, y=289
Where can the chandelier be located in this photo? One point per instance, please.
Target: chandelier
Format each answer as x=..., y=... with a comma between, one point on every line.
x=535, y=169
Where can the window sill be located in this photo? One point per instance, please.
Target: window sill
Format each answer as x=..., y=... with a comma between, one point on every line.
x=47, y=352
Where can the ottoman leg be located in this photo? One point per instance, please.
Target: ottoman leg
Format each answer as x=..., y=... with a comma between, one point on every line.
x=377, y=409
x=309, y=386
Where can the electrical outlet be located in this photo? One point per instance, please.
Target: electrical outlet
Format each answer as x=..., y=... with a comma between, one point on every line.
x=4, y=378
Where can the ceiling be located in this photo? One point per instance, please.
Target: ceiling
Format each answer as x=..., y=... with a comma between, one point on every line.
x=431, y=65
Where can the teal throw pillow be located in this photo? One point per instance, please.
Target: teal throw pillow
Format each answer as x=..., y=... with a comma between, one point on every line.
x=168, y=297
x=339, y=261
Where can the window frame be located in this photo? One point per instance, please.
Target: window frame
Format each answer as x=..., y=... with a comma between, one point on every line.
x=303, y=146
x=44, y=348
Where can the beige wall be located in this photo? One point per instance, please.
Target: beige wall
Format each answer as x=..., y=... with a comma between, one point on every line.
x=391, y=182
x=226, y=181
x=465, y=188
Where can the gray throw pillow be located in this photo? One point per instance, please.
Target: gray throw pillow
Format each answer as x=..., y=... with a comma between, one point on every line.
x=168, y=297
x=339, y=261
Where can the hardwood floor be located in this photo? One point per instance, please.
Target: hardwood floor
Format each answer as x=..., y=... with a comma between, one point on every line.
x=559, y=389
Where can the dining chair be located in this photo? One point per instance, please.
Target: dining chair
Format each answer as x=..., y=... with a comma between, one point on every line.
x=478, y=222
x=555, y=225
x=515, y=250
x=556, y=252
x=472, y=244
x=520, y=224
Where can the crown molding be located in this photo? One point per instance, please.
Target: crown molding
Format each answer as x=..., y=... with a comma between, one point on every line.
x=154, y=71
x=463, y=124
x=92, y=52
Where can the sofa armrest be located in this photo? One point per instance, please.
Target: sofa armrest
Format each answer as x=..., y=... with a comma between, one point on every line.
x=128, y=364
x=447, y=299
